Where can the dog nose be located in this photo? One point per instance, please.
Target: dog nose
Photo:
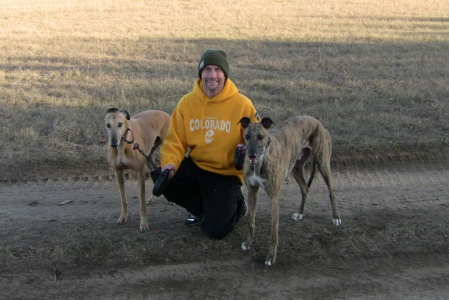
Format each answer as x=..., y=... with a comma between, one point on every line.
x=113, y=145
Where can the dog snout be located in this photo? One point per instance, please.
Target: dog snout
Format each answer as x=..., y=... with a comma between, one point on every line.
x=252, y=159
x=113, y=142
x=252, y=153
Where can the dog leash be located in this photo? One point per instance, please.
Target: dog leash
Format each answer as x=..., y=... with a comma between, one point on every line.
x=162, y=181
x=136, y=147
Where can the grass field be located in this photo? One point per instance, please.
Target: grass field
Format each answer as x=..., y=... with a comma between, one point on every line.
x=374, y=72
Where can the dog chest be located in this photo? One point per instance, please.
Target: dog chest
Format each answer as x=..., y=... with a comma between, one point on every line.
x=256, y=180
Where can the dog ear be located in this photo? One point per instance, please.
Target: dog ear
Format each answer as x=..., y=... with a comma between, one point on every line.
x=244, y=122
x=111, y=110
x=126, y=113
x=266, y=122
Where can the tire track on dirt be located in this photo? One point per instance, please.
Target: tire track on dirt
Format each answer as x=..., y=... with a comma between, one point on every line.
x=238, y=279
x=405, y=201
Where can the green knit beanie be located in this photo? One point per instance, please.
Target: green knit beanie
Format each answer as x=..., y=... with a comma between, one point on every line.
x=214, y=57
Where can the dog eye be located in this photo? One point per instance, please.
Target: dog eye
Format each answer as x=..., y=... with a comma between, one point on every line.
x=108, y=125
x=260, y=137
x=246, y=137
x=120, y=125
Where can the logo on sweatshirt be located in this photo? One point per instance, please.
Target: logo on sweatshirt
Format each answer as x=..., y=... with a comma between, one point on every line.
x=209, y=136
x=210, y=126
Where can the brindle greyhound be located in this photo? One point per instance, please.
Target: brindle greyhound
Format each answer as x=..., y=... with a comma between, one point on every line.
x=147, y=129
x=272, y=154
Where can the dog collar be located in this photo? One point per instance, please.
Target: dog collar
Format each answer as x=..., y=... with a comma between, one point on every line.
x=266, y=148
x=132, y=135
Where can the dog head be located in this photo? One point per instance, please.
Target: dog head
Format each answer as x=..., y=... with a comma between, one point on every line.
x=256, y=137
x=116, y=122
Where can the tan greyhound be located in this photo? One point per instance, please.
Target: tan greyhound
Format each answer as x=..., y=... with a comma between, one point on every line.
x=272, y=154
x=146, y=129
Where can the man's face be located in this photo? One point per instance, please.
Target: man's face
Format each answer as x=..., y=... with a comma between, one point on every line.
x=213, y=80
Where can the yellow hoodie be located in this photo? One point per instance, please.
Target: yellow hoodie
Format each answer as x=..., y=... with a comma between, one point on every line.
x=209, y=128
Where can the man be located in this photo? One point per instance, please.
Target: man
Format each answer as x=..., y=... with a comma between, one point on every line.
x=199, y=147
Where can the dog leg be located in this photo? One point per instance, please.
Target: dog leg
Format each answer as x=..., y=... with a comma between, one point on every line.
x=272, y=251
x=121, y=185
x=142, y=208
x=298, y=174
x=150, y=200
x=252, y=202
x=326, y=173
x=150, y=167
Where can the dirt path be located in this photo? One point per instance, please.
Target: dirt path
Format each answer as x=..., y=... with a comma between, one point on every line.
x=59, y=241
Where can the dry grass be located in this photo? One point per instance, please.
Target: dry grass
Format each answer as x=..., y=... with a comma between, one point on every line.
x=374, y=72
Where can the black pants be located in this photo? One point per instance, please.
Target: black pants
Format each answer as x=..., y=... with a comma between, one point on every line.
x=217, y=197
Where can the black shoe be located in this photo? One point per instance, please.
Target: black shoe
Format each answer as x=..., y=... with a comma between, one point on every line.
x=192, y=220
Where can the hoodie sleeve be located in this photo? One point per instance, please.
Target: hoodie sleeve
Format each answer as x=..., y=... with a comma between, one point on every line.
x=174, y=147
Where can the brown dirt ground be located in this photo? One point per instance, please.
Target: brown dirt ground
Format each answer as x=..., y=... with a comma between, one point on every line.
x=393, y=243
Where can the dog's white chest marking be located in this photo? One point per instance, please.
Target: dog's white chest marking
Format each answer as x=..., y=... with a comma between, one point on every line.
x=255, y=179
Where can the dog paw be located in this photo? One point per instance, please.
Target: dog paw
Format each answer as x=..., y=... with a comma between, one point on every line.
x=121, y=220
x=144, y=227
x=150, y=200
x=336, y=222
x=271, y=256
x=244, y=246
x=297, y=216
x=268, y=263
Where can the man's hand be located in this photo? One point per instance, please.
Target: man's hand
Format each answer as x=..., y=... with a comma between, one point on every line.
x=171, y=168
x=242, y=150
